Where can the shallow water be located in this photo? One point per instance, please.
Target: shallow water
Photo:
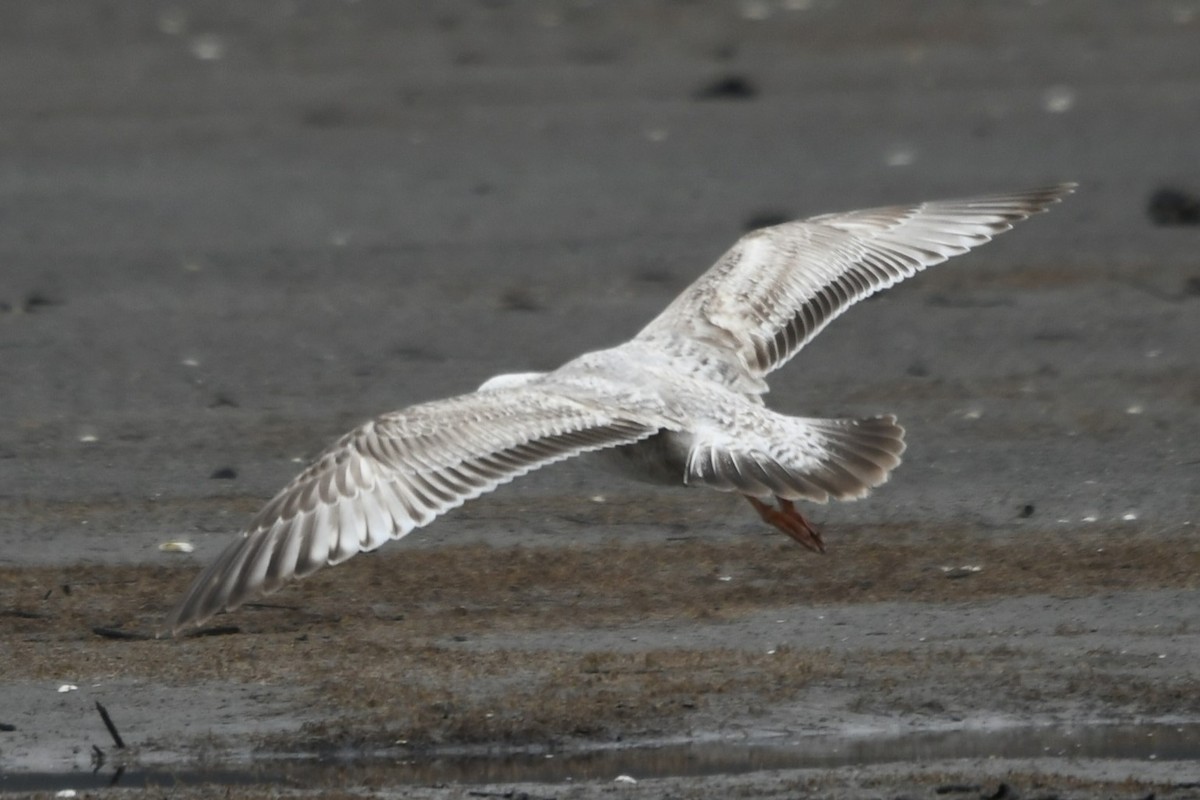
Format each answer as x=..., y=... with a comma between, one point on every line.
x=1162, y=742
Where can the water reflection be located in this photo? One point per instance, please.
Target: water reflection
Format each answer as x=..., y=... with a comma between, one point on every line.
x=1137, y=742
x=1161, y=742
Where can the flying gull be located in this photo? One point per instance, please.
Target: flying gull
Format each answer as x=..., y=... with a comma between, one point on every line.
x=680, y=403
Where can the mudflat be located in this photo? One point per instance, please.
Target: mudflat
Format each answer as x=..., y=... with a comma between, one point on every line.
x=227, y=236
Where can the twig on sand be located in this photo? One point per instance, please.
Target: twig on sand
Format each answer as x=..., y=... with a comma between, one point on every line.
x=117, y=633
x=216, y=630
x=21, y=613
x=108, y=723
x=284, y=606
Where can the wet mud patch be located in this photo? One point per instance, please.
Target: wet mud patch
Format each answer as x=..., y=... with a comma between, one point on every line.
x=467, y=645
x=686, y=772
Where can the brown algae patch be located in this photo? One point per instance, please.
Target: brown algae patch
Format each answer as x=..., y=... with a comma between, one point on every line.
x=383, y=644
x=475, y=587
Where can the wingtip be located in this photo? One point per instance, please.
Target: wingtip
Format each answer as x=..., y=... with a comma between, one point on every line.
x=197, y=607
x=176, y=624
x=172, y=626
x=1047, y=196
x=1020, y=205
x=169, y=629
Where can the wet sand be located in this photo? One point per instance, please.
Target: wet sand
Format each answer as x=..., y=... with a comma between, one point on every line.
x=229, y=236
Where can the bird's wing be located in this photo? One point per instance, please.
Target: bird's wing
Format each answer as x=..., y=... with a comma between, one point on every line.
x=778, y=287
x=399, y=472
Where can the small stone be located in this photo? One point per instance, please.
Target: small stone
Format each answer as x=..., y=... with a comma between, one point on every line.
x=1171, y=206
x=729, y=87
x=520, y=299
x=35, y=301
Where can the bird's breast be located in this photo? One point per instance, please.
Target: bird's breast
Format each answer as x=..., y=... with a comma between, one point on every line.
x=661, y=459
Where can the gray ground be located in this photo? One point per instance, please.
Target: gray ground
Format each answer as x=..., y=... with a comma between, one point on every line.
x=228, y=233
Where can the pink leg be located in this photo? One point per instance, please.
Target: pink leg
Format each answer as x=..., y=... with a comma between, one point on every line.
x=787, y=519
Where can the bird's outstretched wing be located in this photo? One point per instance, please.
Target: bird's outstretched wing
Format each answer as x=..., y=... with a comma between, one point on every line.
x=778, y=287
x=399, y=472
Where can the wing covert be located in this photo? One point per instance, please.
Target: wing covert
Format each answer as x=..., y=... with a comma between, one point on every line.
x=778, y=287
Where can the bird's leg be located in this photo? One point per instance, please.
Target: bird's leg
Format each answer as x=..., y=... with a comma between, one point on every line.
x=787, y=519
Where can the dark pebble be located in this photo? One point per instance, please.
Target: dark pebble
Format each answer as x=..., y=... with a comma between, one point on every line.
x=519, y=300
x=1170, y=206
x=730, y=87
x=1003, y=792
x=36, y=300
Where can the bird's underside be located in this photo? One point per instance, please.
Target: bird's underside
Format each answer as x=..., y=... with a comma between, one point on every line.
x=681, y=402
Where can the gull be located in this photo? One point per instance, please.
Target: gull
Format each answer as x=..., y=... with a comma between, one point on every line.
x=680, y=403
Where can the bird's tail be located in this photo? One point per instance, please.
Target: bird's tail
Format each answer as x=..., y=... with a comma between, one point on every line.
x=841, y=459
